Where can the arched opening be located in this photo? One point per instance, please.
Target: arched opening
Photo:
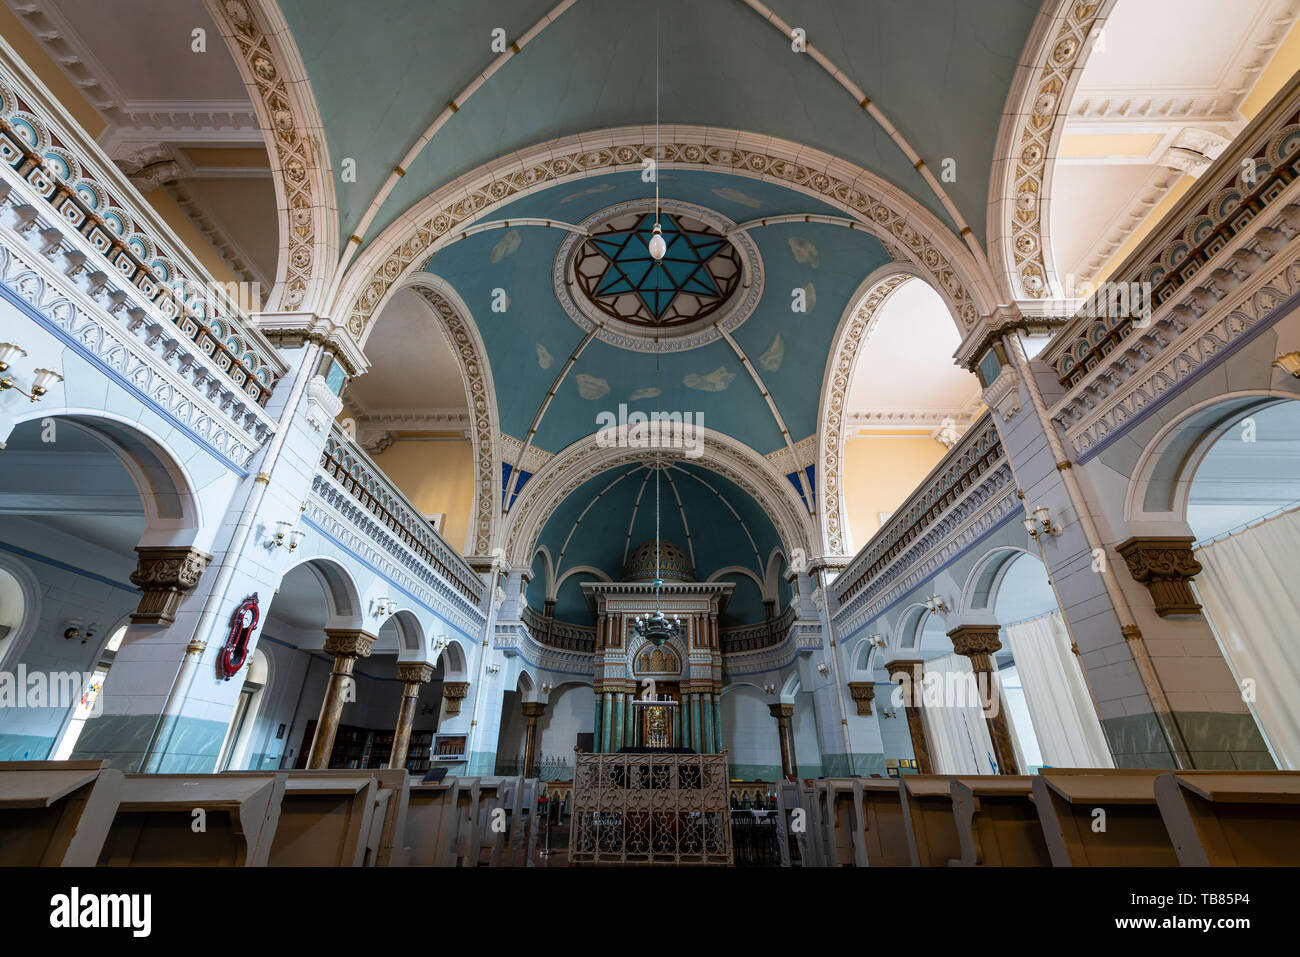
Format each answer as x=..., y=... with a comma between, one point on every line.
x=889, y=443
x=89, y=703
x=78, y=494
x=1230, y=475
x=750, y=734
x=411, y=412
x=234, y=749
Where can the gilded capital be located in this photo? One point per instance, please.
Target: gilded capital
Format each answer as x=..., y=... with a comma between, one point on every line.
x=414, y=671
x=863, y=692
x=165, y=574
x=781, y=711
x=909, y=668
x=1166, y=566
x=978, y=643
x=453, y=692
x=348, y=642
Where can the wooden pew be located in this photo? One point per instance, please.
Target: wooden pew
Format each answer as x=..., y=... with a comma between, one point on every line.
x=841, y=838
x=325, y=819
x=1232, y=818
x=787, y=802
x=882, y=833
x=928, y=820
x=997, y=821
x=462, y=834
x=155, y=820
x=1134, y=835
x=493, y=792
x=428, y=820
x=814, y=844
x=56, y=813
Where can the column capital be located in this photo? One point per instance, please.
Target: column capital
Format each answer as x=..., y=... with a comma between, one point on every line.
x=978, y=643
x=863, y=692
x=165, y=574
x=1165, y=565
x=453, y=692
x=412, y=671
x=780, y=710
x=349, y=642
x=533, y=709
x=904, y=666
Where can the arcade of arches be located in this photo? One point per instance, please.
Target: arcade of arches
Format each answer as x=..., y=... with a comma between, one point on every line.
x=348, y=418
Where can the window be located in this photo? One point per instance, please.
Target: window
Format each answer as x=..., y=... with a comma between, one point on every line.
x=89, y=696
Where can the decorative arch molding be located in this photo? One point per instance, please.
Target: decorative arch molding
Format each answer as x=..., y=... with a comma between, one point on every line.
x=898, y=220
x=13, y=649
x=411, y=643
x=1162, y=479
x=744, y=572
x=476, y=376
x=907, y=633
x=1028, y=140
x=454, y=667
x=855, y=328
x=342, y=597
x=575, y=570
x=550, y=588
x=584, y=459
x=263, y=48
x=980, y=591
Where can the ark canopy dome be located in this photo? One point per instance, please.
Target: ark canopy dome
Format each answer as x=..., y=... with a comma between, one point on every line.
x=674, y=564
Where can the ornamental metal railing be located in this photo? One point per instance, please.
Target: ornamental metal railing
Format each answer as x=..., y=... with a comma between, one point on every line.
x=344, y=461
x=44, y=151
x=920, y=524
x=653, y=809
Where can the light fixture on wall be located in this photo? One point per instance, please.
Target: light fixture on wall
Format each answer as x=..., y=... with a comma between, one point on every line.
x=1040, y=523
x=438, y=645
x=546, y=687
x=44, y=377
x=285, y=532
x=494, y=669
x=877, y=642
x=823, y=669
x=1290, y=361
x=889, y=714
x=769, y=689
x=384, y=607
x=936, y=604
x=74, y=630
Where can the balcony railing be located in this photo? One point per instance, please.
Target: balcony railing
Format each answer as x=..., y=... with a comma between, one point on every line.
x=1204, y=230
x=765, y=634
x=61, y=167
x=345, y=462
x=969, y=491
x=559, y=634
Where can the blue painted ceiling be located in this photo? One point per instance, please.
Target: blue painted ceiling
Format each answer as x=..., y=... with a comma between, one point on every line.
x=381, y=71
x=529, y=343
x=718, y=524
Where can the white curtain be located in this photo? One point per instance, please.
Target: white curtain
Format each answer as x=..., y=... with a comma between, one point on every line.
x=1248, y=588
x=1065, y=721
x=954, y=721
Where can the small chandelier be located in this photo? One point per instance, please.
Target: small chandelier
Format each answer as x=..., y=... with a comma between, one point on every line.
x=657, y=628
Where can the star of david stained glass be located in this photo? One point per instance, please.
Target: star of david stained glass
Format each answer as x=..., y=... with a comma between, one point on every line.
x=698, y=274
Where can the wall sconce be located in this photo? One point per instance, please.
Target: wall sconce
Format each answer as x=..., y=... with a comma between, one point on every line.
x=74, y=631
x=822, y=669
x=384, y=606
x=1040, y=523
x=283, y=531
x=494, y=669
x=1289, y=361
x=877, y=642
x=44, y=377
x=769, y=689
x=935, y=604
x=889, y=714
x=546, y=687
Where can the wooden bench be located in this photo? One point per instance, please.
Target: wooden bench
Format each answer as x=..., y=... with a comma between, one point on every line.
x=883, y=834
x=928, y=820
x=1130, y=831
x=326, y=819
x=227, y=820
x=997, y=821
x=1232, y=818
x=56, y=813
x=787, y=803
x=840, y=839
x=427, y=821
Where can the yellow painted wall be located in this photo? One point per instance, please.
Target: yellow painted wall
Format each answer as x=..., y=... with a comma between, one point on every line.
x=437, y=476
x=880, y=472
